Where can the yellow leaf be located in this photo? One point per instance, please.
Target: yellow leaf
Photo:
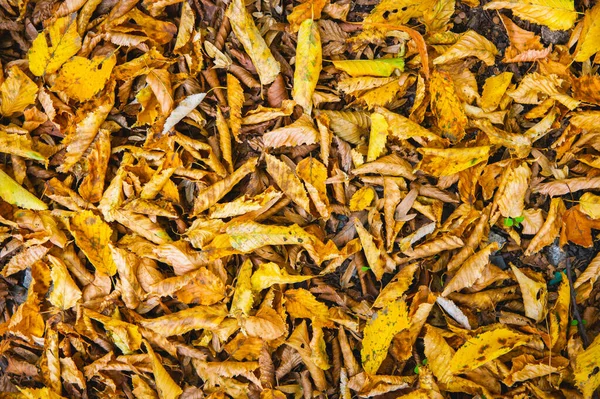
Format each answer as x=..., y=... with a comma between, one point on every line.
x=186, y=26
x=20, y=145
x=380, y=67
x=287, y=181
x=302, y=131
x=46, y=59
x=159, y=81
x=494, y=89
x=510, y=196
x=246, y=32
x=65, y=293
x=534, y=83
x=40, y=393
x=81, y=78
x=196, y=318
x=18, y=92
x=243, y=298
x=302, y=304
x=550, y=229
x=13, y=193
x=235, y=99
x=398, y=286
x=403, y=128
x=396, y=12
x=586, y=280
x=245, y=204
x=308, y=64
x=248, y=236
x=93, y=237
x=126, y=336
x=555, y=14
x=590, y=205
x=314, y=175
x=167, y=388
x=526, y=367
x=471, y=270
x=212, y=194
x=559, y=316
x=534, y=292
x=378, y=137
x=269, y=274
x=81, y=135
x=586, y=367
x=485, y=347
x=470, y=44
x=379, y=332
x=310, y=9
x=446, y=106
x=439, y=354
x=362, y=198
x=446, y=162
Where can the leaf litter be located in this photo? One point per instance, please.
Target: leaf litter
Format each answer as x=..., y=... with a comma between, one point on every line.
x=312, y=199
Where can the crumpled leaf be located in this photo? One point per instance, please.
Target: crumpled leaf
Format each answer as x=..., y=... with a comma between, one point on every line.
x=300, y=132
x=590, y=205
x=555, y=14
x=470, y=44
x=269, y=274
x=471, y=270
x=196, y=318
x=301, y=303
x=494, y=88
x=378, y=334
x=287, y=181
x=535, y=294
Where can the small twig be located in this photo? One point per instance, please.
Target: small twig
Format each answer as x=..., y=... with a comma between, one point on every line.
x=576, y=315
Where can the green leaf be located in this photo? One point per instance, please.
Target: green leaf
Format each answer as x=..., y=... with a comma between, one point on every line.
x=416, y=369
x=519, y=219
x=13, y=193
x=365, y=268
x=508, y=222
x=574, y=322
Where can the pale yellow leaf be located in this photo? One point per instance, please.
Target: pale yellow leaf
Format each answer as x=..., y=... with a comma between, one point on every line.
x=13, y=193
x=302, y=131
x=167, y=388
x=510, y=196
x=470, y=44
x=243, y=298
x=196, y=318
x=65, y=293
x=287, y=181
x=550, y=229
x=535, y=294
x=371, y=249
x=235, y=99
